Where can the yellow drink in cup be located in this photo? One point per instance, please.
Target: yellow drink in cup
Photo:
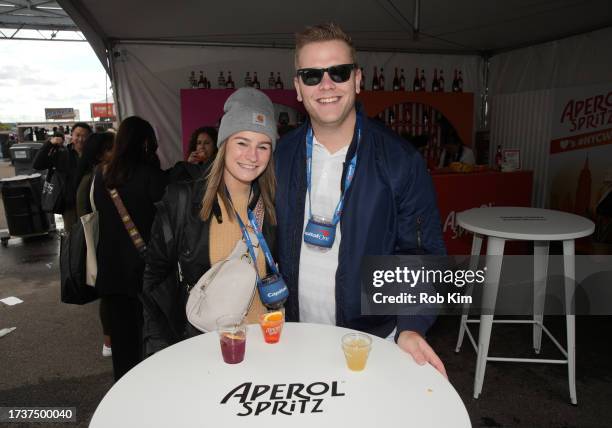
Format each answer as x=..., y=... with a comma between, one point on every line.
x=356, y=347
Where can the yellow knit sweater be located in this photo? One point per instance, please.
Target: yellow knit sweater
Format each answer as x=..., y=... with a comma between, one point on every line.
x=223, y=238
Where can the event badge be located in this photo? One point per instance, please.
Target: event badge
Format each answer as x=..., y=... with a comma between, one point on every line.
x=320, y=233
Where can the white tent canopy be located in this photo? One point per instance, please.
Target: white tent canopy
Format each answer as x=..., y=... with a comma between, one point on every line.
x=150, y=47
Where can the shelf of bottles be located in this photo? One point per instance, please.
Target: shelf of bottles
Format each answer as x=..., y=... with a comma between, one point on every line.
x=419, y=82
x=226, y=81
x=408, y=119
x=412, y=119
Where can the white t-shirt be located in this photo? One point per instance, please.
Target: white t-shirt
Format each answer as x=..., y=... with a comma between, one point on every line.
x=317, y=274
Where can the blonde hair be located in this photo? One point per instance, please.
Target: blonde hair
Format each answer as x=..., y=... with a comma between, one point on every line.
x=215, y=186
x=322, y=33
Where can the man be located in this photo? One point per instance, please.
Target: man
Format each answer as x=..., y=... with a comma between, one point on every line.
x=388, y=206
x=53, y=154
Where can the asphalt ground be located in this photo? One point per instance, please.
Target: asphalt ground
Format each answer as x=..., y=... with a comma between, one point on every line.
x=53, y=358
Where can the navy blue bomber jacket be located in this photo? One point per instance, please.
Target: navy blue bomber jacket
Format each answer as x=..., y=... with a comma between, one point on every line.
x=390, y=208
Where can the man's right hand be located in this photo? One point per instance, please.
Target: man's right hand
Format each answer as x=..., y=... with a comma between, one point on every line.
x=414, y=344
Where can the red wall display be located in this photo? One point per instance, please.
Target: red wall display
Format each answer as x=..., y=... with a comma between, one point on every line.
x=204, y=107
x=457, y=107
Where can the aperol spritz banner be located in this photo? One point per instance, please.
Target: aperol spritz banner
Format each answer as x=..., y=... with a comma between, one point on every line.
x=580, y=172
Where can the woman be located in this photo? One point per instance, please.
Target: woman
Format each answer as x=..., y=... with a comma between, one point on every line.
x=135, y=174
x=202, y=145
x=203, y=220
x=202, y=151
x=96, y=151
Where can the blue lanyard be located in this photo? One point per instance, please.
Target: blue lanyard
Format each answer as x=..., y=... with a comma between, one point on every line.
x=260, y=238
x=350, y=173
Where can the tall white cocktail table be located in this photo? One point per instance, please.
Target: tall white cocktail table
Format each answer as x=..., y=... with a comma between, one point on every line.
x=302, y=381
x=499, y=224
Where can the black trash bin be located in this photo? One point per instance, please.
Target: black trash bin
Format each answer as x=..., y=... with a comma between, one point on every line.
x=23, y=155
x=21, y=198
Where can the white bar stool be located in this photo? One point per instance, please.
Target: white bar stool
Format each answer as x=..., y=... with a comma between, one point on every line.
x=499, y=224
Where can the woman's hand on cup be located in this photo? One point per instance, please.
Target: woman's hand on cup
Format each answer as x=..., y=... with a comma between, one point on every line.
x=195, y=157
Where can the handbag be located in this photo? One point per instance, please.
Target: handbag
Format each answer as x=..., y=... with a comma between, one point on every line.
x=228, y=287
x=74, y=289
x=91, y=232
x=52, y=197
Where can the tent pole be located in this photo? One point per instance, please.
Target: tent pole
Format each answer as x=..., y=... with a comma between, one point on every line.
x=484, y=108
x=417, y=16
x=114, y=82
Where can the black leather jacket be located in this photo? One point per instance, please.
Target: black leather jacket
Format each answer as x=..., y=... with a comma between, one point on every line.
x=186, y=240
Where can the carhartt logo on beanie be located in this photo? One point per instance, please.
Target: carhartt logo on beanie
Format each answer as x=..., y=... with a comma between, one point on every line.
x=247, y=109
x=259, y=119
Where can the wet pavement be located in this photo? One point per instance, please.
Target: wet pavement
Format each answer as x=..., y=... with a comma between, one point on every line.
x=53, y=357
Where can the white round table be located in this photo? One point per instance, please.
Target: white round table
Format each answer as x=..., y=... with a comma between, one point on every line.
x=524, y=223
x=189, y=385
x=499, y=224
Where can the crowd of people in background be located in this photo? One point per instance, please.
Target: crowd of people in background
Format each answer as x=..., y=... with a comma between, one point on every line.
x=125, y=160
x=41, y=134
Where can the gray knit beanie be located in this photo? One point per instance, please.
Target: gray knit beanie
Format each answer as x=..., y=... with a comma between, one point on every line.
x=247, y=109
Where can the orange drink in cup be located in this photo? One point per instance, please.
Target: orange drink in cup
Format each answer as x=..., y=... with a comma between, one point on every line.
x=356, y=347
x=271, y=325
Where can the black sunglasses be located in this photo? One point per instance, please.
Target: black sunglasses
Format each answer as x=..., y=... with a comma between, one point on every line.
x=338, y=73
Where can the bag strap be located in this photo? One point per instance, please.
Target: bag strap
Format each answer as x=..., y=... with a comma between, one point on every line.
x=129, y=224
x=91, y=193
x=181, y=215
x=259, y=212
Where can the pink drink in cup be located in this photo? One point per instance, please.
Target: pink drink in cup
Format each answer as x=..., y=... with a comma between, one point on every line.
x=232, y=348
x=232, y=337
